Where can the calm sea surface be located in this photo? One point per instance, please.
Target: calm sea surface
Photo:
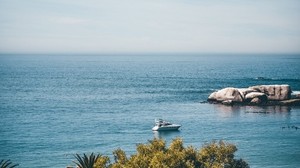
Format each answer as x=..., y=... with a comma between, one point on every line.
x=53, y=106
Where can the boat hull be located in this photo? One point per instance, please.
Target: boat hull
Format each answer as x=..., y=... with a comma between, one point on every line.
x=166, y=128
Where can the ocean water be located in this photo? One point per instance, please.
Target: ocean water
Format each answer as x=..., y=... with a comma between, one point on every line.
x=53, y=106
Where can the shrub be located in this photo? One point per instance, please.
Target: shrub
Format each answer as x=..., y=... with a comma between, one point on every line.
x=156, y=154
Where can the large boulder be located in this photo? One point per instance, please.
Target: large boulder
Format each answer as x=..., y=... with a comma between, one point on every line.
x=256, y=101
x=256, y=98
x=265, y=95
x=226, y=94
x=245, y=91
x=213, y=96
x=254, y=95
x=295, y=95
x=274, y=92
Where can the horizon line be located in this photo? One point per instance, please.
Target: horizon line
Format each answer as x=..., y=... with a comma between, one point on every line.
x=147, y=53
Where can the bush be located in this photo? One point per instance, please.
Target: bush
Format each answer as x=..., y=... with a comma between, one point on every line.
x=156, y=154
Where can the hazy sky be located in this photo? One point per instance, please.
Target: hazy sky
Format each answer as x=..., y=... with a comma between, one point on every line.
x=109, y=26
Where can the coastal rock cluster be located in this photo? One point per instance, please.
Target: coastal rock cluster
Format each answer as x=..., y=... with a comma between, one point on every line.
x=256, y=95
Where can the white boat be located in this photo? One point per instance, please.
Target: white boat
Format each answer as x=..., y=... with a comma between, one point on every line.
x=161, y=125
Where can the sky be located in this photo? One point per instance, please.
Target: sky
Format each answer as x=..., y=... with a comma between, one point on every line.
x=149, y=26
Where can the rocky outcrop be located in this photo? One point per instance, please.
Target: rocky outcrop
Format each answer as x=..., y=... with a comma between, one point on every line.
x=227, y=94
x=274, y=92
x=245, y=91
x=255, y=95
x=295, y=95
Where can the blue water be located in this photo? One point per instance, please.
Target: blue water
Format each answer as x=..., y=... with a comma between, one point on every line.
x=53, y=106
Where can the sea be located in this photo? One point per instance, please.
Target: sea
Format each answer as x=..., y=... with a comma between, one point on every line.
x=53, y=106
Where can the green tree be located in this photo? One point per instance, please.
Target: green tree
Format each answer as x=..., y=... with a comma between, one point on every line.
x=102, y=162
x=218, y=155
x=155, y=154
x=120, y=158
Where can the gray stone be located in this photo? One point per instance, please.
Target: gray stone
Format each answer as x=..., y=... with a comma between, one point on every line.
x=295, y=95
x=294, y=102
x=274, y=92
x=268, y=95
x=228, y=94
x=212, y=96
x=227, y=102
x=245, y=91
x=255, y=95
x=256, y=101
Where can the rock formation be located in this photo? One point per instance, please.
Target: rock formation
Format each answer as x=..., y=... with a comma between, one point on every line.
x=232, y=94
x=255, y=95
x=274, y=92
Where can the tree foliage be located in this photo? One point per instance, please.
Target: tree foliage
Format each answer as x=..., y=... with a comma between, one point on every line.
x=86, y=161
x=7, y=164
x=156, y=154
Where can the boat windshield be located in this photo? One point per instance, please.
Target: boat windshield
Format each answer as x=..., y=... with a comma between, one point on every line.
x=161, y=122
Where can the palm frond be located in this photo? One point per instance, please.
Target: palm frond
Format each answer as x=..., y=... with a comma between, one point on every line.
x=86, y=161
x=7, y=164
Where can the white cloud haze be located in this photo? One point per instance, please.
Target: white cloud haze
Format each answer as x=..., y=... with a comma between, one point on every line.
x=97, y=26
